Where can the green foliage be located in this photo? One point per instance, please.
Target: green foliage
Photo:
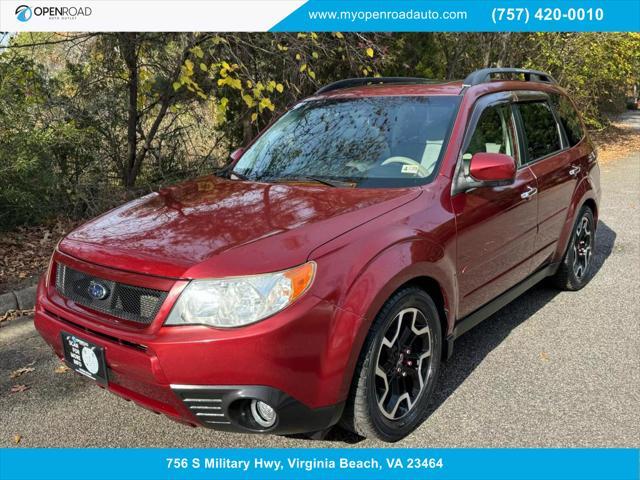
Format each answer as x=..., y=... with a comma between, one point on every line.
x=595, y=68
x=41, y=156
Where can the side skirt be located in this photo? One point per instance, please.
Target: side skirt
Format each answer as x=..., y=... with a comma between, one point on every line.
x=473, y=319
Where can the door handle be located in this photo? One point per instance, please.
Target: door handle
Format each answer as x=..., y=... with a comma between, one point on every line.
x=531, y=191
x=575, y=170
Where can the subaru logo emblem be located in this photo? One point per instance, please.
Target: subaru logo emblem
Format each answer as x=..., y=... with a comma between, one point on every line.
x=97, y=290
x=24, y=13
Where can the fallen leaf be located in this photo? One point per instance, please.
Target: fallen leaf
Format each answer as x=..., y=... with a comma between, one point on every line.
x=21, y=371
x=62, y=368
x=17, y=438
x=19, y=388
x=25, y=251
x=13, y=314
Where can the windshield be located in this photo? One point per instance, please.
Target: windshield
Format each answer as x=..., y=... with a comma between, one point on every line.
x=364, y=142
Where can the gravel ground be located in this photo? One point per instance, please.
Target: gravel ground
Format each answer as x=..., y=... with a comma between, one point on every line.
x=550, y=370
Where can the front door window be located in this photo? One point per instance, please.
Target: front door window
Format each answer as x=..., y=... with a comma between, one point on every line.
x=493, y=133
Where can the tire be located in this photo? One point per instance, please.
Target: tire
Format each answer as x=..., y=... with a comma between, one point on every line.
x=408, y=312
x=576, y=268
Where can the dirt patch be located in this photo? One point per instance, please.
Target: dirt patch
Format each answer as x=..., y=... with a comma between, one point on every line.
x=25, y=252
x=616, y=141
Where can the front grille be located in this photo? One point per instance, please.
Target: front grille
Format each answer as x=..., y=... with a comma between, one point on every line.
x=128, y=302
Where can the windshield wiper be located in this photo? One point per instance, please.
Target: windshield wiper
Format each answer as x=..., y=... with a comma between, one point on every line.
x=228, y=171
x=324, y=181
x=241, y=176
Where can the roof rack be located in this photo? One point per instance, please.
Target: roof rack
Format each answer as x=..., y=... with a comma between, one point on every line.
x=359, y=82
x=484, y=75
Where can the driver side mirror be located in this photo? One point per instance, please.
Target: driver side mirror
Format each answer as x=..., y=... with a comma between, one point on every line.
x=485, y=169
x=492, y=169
x=236, y=154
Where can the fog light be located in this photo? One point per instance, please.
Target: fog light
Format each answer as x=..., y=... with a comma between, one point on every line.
x=263, y=413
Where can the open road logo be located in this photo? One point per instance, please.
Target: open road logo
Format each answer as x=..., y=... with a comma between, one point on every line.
x=24, y=13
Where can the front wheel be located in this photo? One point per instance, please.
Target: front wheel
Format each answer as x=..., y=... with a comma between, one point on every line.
x=398, y=368
x=576, y=268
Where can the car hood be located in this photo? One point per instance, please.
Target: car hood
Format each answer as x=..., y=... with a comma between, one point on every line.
x=217, y=227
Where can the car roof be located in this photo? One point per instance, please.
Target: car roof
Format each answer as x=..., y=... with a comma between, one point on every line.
x=451, y=88
x=396, y=89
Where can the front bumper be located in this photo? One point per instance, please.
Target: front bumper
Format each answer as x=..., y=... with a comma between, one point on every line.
x=228, y=408
x=167, y=369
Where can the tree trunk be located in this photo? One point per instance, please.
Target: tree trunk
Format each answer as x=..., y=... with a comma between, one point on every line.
x=247, y=132
x=505, y=39
x=128, y=49
x=487, y=45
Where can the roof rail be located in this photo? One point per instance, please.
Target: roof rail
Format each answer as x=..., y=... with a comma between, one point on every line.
x=484, y=75
x=358, y=82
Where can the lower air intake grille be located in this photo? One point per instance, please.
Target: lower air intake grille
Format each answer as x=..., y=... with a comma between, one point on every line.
x=136, y=304
x=206, y=404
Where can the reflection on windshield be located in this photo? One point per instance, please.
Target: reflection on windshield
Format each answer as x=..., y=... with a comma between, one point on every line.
x=372, y=142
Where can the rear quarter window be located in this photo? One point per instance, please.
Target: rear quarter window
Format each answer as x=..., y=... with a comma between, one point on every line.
x=541, y=130
x=569, y=118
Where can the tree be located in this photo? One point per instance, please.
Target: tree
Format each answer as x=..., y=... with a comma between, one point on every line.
x=138, y=50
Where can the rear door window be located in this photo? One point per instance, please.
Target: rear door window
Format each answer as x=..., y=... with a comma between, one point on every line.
x=541, y=133
x=569, y=118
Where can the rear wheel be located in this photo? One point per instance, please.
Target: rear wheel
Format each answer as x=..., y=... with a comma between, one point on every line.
x=576, y=269
x=398, y=368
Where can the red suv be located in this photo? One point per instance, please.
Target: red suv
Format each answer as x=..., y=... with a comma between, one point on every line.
x=325, y=274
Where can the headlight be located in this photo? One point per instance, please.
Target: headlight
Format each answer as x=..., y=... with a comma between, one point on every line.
x=237, y=301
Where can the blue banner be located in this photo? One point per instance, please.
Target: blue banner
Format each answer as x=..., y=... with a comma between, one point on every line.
x=320, y=464
x=464, y=16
